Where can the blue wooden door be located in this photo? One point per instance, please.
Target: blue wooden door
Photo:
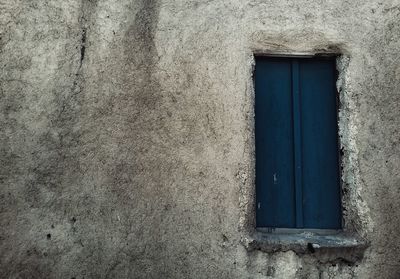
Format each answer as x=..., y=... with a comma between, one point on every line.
x=297, y=165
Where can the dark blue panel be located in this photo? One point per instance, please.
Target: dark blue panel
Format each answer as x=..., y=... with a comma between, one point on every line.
x=274, y=144
x=320, y=165
x=297, y=142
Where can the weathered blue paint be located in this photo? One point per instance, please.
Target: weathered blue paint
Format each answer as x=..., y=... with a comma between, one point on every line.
x=297, y=142
x=274, y=144
x=297, y=165
x=321, y=191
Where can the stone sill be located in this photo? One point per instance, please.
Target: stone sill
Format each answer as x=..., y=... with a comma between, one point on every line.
x=327, y=245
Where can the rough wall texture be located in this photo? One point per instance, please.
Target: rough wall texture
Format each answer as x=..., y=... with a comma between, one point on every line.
x=126, y=141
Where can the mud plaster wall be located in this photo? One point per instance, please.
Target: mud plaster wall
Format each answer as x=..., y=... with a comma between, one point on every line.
x=127, y=135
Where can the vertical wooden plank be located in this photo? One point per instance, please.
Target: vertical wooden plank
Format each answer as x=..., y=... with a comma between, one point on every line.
x=321, y=188
x=275, y=196
x=297, y=143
